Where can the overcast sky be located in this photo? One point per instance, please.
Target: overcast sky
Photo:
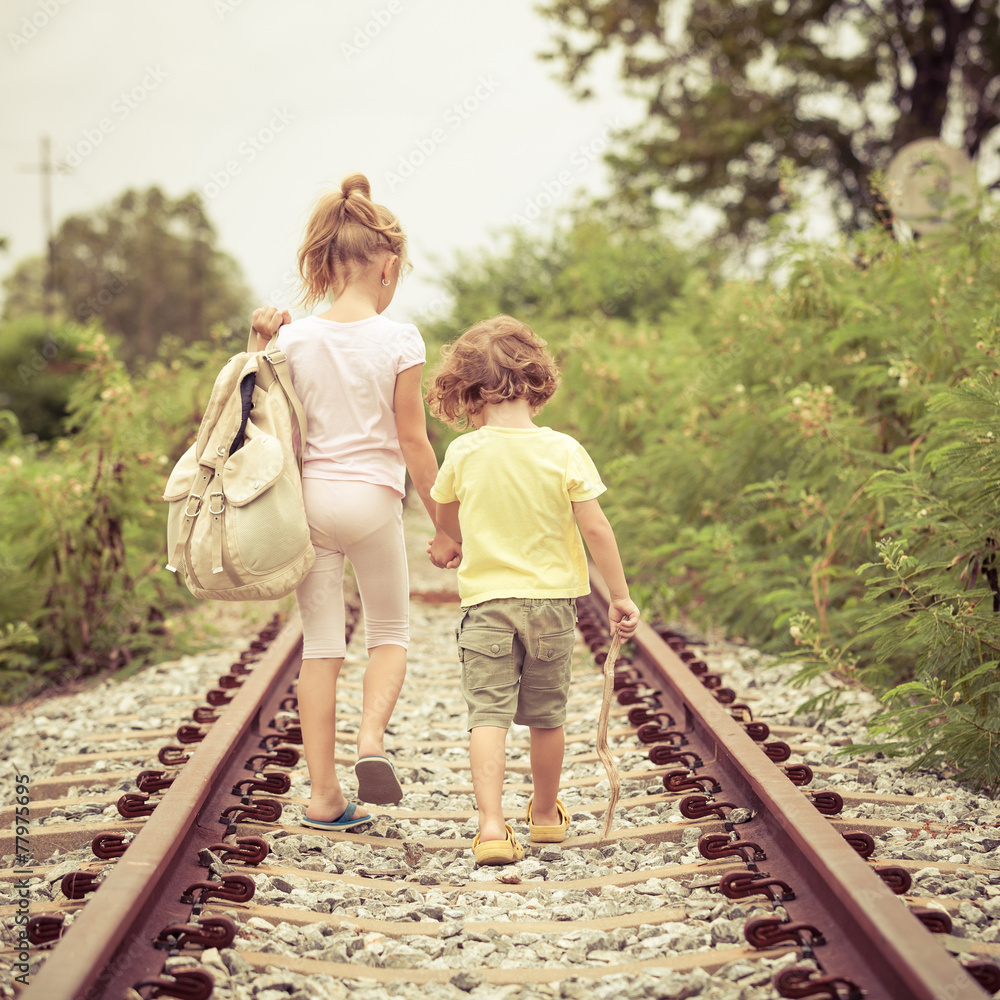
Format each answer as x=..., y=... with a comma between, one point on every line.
x=442, y=103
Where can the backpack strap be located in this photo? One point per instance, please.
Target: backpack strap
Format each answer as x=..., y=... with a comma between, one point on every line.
x=279, y=366
x=280, y=369
x=177, y=556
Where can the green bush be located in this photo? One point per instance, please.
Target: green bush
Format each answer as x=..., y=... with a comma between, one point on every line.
x=587, y=268
x=83, y=526
x=932, y=592
x=39, y=361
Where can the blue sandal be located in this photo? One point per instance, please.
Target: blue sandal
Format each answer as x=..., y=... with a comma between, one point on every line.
x=345, y=820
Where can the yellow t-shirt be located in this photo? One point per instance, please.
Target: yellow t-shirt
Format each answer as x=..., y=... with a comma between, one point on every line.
x=516, y=488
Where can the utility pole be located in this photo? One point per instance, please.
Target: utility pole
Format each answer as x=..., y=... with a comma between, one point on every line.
x=45, y=168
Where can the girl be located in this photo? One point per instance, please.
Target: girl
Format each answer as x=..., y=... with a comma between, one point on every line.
x=519, y=496
x=358, y=377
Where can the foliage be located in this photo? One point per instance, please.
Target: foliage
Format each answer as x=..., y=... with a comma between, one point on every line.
x=146, y=265
x=38, y=363
x=586, y=268
x=933, y=594
x=86, y=442
x=832, y=85
x=762, y=440
x=585, y=273
x=15, y=660
x=82, y=521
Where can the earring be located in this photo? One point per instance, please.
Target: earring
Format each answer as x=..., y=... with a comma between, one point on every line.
x=385, y=281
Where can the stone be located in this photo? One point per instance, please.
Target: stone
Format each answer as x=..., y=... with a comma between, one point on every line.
x=466, y=981
x=727, y=931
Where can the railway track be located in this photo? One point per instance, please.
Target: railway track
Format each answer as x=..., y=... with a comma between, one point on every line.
x=733, y=863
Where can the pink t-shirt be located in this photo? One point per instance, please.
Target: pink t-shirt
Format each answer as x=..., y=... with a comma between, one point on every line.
x=345, y=376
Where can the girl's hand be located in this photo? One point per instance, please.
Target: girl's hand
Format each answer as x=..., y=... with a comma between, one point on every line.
x=444, y=552
x=623, y=616
x=266, y=321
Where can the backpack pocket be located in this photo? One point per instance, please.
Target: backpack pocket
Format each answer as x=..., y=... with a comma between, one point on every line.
x=265, y=520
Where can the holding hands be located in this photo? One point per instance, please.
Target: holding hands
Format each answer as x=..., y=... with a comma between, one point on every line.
x=444, y=552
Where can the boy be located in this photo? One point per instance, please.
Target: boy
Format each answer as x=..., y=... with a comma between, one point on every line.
x=517, y=497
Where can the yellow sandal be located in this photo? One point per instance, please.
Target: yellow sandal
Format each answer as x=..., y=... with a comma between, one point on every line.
x=549, y=834
x=498, y=852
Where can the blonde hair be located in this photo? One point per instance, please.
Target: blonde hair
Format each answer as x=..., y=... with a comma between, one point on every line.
x=496, y=360
x=346, y=231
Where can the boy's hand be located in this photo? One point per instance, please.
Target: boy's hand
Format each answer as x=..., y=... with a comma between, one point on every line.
x=444, y=552
x=623, y=616
x=267, y=320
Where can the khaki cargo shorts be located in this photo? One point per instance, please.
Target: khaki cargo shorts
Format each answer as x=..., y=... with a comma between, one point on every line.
x=517, y=656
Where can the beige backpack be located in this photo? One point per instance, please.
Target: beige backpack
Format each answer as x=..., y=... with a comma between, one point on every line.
x=236, y=526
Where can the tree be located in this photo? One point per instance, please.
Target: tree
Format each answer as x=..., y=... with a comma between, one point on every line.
x=835, y=86
x=145, y=265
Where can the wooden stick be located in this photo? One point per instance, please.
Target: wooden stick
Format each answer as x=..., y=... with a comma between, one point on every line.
x=602, y=732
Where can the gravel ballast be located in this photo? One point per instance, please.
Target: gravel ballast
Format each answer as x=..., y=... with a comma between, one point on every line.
x=959, y=850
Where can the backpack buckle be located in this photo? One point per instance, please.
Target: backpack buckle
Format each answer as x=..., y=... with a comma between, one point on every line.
x=211, y=501
x=188, y=512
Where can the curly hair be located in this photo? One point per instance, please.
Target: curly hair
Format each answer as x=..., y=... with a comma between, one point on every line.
x=346, y=230
x=494, y=361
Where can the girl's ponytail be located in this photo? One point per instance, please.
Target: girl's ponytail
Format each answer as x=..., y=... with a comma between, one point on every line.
x=356, y=183
x=346, y=231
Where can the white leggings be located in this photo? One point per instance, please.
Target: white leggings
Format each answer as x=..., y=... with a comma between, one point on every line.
x=363, y=523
